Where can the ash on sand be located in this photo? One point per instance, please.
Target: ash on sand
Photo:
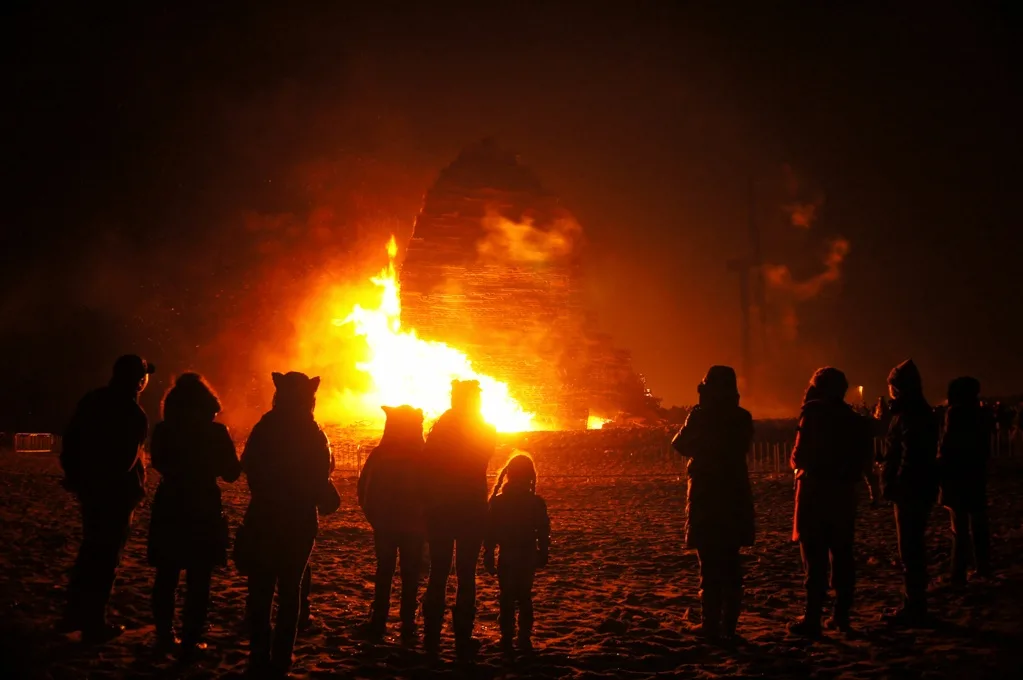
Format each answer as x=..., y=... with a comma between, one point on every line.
x=611, y=604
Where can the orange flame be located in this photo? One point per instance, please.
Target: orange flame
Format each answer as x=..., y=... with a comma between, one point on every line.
x=402, y=368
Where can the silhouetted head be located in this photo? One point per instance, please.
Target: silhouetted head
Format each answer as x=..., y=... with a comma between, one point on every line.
x=404, y=424
x=964, y=391
x=131, y=372
x=190, y=398
x=827, y=384
x=518, y=471
x=904, y=381
x=719, y=386
x=466, y=396
x=296, y=392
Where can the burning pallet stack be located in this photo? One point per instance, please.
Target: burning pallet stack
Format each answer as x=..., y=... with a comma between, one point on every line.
x=493, y=268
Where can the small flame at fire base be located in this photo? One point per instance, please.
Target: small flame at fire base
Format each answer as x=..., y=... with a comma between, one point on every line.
x=405, y=369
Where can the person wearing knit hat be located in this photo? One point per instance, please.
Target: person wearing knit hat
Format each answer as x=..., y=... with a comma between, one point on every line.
x=103, y=467
x=719, y=500
x=831, y=454
x=909, y=479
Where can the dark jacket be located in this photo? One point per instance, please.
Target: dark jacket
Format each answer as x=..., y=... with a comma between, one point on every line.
x=909, y=470
x=456, y=455
x=518, y=524
x=287, y=466
x=963, y=457
x=188, y=528
x=832, y=452
x=102, y=448
x=391, y=488
x=719, y=502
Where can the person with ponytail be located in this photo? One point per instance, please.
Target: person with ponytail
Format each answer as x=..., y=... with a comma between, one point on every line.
x=518, y=525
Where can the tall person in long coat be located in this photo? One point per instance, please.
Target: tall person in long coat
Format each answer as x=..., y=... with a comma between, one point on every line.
x=719, y=504
x=830, y=457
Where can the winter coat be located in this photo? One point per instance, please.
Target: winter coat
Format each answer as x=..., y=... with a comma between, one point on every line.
x=188, y=528
x=456, y=455
x=518, y=524
x=287, y=466
x=719, y=502
x=909, y=470
x=102, y=449
x=832, y=452
x=963, y=456
x=391, y=488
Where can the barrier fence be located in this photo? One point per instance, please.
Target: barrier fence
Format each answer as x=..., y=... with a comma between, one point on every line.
x=33, y=442
x=350, y=450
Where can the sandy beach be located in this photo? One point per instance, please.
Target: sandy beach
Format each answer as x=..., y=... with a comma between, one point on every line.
x=611, y=604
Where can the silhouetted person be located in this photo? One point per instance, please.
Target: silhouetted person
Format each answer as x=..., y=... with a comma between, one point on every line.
x=909, y=479
x=962, y=464
x=719, y=502
x=306, y=619
x=391, y=492
x=831, y=454
x=188, y=530
x=456, y=454
x=103, y=467
x=519, y=527
x=287, y=465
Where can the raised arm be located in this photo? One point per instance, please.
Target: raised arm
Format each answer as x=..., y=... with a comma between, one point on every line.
x=689, y=439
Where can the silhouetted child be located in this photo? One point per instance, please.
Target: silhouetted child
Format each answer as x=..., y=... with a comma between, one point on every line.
x=104, y=468
x=519, y=527
x=287, y=465
x=188, y=530
x=832, y=452
x=391, y=495
x=719, y=503
x=962, y=464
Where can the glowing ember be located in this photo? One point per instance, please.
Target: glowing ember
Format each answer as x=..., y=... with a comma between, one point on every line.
x=404, y=369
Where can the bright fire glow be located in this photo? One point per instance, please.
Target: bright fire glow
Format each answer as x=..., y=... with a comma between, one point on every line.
x=595, y=423
x=402, y=368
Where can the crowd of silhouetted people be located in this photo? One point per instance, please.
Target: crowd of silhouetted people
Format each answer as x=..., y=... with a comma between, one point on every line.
x=430, y=493
x=923, y=461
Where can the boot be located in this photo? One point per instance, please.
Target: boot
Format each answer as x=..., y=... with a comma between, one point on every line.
x=710, y=619
x=809, y=624
x=731, y=605
x=467, y=647
x=409, y=634
x=166, y=639
x=909, y=615
x=839, y=619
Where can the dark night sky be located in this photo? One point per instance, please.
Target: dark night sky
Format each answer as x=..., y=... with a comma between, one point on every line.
x=140, y=143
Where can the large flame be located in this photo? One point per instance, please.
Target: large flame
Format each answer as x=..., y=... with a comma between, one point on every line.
x=404, y=369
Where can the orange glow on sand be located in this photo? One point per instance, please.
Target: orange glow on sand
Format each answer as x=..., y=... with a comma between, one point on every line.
x=395, y=366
